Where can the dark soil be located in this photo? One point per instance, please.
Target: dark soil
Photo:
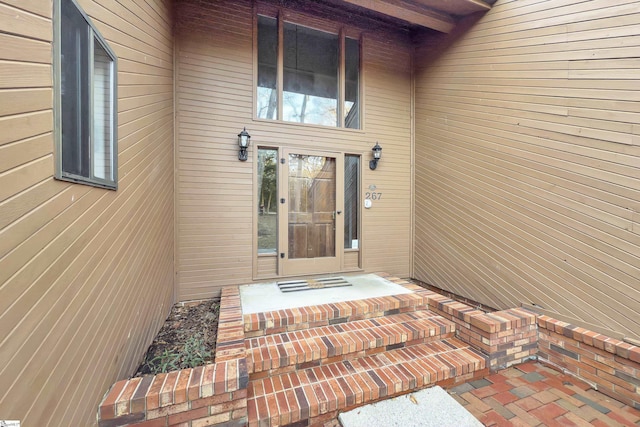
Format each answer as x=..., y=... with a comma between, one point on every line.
x=184, y=322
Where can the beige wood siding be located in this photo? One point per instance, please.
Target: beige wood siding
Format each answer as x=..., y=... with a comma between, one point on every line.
x=215, y=192
x=351, y=260
x=528, y=161
x=86, y=274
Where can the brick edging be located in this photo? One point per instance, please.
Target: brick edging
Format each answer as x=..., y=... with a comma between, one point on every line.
x=211, y=394
x=609, y=365
x=506, y=337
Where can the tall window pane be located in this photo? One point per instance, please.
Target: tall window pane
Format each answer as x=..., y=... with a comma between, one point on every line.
x=267, y=200
x=351, y=200
x=267, y=68
x=85, y=92
x=352, y=84
x=310, y=93
x=74, y=90
x=102, y=113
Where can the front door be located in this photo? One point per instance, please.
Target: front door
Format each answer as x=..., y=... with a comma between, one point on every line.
x=310, y=212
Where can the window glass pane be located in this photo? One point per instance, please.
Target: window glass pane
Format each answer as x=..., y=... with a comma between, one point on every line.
x=267, y=68
x=351, y=200
x=352, y=84
x=74, y=90
x=102, y=113
x=267, y=200
x=310, y=93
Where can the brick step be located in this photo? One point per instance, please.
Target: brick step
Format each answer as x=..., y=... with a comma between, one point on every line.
x=292, y=319
x=318, y=394
x=286, y=352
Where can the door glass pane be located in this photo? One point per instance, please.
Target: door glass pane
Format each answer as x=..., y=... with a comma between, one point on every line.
x=102, y=113
x=312, y=204
x=352, y=83
x=351, y=201
x=267, y=68
x=310, y=76
x=267, y=200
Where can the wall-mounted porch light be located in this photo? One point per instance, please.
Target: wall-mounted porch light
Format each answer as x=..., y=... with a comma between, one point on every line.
x=377, y=153
x=243, y=143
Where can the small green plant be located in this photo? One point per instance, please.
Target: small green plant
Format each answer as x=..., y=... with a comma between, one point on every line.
x=167, y=361
x=194, y=353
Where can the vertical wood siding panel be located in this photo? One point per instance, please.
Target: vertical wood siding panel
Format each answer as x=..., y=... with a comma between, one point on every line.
x=87, y=273
x=215, y=101
x=527, y=178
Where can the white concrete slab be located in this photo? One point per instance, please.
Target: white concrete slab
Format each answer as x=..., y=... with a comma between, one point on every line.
x=268, y=297
x=432, y=407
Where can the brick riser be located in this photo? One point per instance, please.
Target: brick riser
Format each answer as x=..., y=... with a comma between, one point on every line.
x=293, y=319
x=314, y=395
x=287, y=352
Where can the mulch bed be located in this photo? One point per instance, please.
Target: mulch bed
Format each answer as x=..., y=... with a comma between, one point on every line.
x=184, y=322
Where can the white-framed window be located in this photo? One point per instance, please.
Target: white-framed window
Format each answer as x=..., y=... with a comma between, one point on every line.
x=312, y=77
x=85, y=110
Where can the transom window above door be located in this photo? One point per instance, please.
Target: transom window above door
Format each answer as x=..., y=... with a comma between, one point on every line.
x=313, y=77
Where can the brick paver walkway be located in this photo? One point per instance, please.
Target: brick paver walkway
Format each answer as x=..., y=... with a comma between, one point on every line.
x=534, y=395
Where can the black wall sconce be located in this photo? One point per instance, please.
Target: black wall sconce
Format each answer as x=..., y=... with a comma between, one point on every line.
x=377, y=153
x=243, y=143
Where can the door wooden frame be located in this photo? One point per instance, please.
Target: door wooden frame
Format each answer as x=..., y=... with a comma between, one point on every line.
x=306, y=266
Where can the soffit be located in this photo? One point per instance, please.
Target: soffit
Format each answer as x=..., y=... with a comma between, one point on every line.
x=439, y=15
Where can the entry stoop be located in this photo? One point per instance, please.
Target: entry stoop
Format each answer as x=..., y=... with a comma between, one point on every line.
x=302, y=366
x=308, y=364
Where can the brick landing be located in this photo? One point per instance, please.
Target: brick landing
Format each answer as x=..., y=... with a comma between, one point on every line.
x=531, y=394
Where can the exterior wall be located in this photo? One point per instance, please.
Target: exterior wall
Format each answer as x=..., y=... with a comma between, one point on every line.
x=86, y=274
x=215, y=199
x=527, y=155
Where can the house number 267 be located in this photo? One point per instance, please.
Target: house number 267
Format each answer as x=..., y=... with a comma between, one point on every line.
x=370, y=195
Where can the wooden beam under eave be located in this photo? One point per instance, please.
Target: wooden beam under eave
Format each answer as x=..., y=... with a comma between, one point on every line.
x=481, y=5
x=424, y=18
x=455, y=7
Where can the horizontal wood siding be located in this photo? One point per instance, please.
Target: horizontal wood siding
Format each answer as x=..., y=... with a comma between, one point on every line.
x=267, y=267
x=86, y=274
x=528, y=160
x=351, y=260
x=215, y=192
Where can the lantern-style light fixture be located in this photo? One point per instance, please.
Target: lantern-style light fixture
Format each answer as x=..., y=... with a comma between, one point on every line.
x=243, y=143
x=377, y=153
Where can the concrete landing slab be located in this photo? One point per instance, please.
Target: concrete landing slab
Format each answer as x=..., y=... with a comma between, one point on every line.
x=268, y=297
x=432, y=407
